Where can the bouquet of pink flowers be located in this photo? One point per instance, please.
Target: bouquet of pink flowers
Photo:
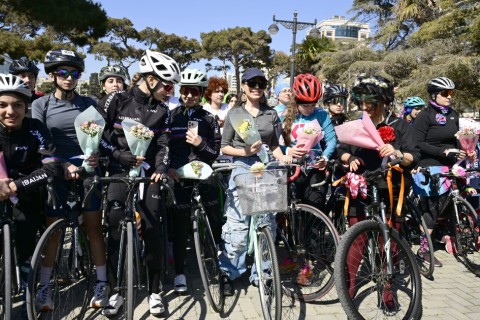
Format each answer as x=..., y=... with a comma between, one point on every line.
x=310, y=135
x=468, y=138
x=89, y=128
x=138, y=139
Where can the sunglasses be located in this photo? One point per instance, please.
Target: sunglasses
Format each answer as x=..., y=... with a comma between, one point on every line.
x=338, y=100
x=63, y=73
x=446, y=93
x=167, y=86
x=195, y=92
x=256, y=83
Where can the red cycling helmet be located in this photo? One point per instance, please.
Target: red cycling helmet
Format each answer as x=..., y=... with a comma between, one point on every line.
x=307, y=88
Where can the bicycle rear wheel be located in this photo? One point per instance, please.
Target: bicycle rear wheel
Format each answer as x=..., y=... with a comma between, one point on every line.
x=364, y=288
x=207, y=259
x=467, y=233
x=269, y=285
x=310, y=273
x=128, y=272
x=70, y=278
x=6, y=274
x=413, y=228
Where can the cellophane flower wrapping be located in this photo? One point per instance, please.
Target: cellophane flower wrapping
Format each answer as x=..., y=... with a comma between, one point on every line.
x=245, y=127
x=468, y=138
x=138, y=138
x=361, y=133
x=4, y=174
x=89, y=127
x=310, y=135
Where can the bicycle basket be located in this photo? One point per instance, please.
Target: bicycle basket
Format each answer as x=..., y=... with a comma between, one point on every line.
x=262, y=192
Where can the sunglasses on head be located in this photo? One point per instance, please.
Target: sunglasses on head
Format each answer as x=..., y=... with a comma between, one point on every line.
x=194, y=91
x=167, y=86
x=446, y=93
x=64, y=73
x=256, y=83
x=338, y=100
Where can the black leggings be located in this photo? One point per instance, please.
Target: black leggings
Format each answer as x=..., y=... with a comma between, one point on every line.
x=312, y=196
x=431, y=208
x=150, y=208
x=182, y=221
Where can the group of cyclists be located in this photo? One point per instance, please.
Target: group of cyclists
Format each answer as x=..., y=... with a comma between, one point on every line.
x=44, y=144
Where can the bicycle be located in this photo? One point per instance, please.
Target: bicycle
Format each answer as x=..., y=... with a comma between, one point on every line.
x=387, y=281
x=261, y=193
x=464, y=221
x=309, y=241
x=130, y=270
x=206, y=249
x=72, y=268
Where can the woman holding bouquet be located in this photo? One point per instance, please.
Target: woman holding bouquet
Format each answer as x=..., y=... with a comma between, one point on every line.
x=58, y=112
x=434, y=130
x=302, y=116
x=144, y=103
x=373, y=95
x=252, y=105
x=198, y=143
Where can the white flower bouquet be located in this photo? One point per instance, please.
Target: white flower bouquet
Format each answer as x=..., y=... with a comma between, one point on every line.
x=138, y=138
x=89, y=128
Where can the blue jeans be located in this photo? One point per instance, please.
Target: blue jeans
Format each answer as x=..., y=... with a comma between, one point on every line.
x=235, y=229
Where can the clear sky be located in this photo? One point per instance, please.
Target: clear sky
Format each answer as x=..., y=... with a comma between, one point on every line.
x=189, y=18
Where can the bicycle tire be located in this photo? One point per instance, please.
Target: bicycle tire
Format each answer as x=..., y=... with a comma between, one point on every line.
x=466, y=235
x=163, y=243
x=208, y=262
x=412, y=233
x=316, y=251
x=70, y=286
x=6, y=274
x=368, y=295
x=128, y=278
x=269, y=283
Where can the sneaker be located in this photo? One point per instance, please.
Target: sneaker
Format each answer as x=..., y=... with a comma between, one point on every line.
x=43, y=299
x=425, y=256
x=101, y=290
x=114, y=304
x=288, y=265
x=227, y=284
x=180, y=284
x=155, y=304
x=305, y=276
x=450, y=245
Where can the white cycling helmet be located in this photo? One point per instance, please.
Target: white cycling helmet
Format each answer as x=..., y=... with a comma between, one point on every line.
x=12, y=83
x=194, y=77
x=161, y=65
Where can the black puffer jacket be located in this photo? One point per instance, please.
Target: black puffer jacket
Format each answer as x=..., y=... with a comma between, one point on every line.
x=136, y=105
x=28, y=155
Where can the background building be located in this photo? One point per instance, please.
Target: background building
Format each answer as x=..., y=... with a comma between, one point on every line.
x=340, y=29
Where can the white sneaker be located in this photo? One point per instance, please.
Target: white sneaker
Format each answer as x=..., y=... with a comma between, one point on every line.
x=43, y=299
x=155, y=303
x=101, y=290
x=180, y=284
x=114, y=304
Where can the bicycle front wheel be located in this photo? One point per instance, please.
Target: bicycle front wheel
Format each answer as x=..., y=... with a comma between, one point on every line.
x=307, y=264
x=6, y=274
x=65, y=293
x=414, y=228
x=365, y=289
x=269, y=285
x=128, y=272
x=467, y=233
x=207, y=259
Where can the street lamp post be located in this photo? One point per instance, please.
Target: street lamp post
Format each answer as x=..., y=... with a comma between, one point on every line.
x=294, y=26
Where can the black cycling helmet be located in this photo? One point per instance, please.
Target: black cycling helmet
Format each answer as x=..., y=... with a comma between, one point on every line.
x=440, y=84
x=374, y=88
x=23, y=65
x=62, y=57
x=334, y=91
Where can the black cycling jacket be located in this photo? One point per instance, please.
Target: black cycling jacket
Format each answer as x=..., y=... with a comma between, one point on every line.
x=28, y=154
x=182, y=152
x=135, y=104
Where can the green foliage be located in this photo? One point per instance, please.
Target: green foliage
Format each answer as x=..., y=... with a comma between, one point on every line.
x=308, y=51
x=95, y=87
x=46, y=87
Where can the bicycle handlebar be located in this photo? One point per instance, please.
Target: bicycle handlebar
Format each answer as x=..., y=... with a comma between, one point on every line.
x=378, y=173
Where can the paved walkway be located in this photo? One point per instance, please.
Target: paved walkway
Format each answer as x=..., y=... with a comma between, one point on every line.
x=453, y=294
